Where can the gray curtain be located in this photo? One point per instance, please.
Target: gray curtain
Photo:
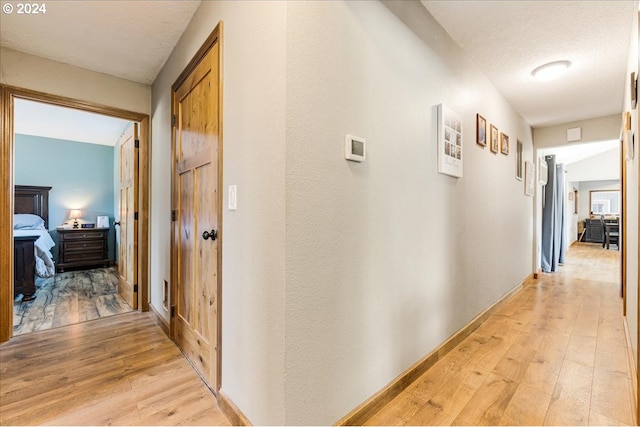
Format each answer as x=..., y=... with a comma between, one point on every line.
x=553, y=217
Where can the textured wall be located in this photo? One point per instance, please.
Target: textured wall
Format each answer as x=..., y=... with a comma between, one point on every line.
x=81, y=177
x=253, y=235
x=387, y=258
x=43, y=75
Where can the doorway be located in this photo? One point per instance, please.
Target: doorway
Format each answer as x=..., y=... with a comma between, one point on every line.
x=8, y=96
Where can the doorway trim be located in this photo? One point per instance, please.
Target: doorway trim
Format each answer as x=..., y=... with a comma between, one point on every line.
x=214, y=37
x=7, y=96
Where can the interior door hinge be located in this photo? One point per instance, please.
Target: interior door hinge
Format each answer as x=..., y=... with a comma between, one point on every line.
x=135, y=216
x=137, y=143
x=135, y=288
x=173, y=311
x=173, y=215
x=174, y=121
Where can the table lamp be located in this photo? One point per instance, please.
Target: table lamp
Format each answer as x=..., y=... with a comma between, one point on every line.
x=75, y=214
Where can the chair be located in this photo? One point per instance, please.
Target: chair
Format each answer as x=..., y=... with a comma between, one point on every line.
x=611, y=233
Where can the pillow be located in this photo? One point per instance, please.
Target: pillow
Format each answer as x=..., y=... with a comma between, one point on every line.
x=27, y=222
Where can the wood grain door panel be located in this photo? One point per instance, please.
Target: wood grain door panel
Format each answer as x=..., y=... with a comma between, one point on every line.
x=128, y=232
x=195, y=199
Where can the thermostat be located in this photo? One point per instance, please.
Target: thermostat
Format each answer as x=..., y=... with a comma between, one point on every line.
x=354, y=148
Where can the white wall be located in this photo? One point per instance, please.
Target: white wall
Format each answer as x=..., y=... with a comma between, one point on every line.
x=387, y=258
x=55, y=78
x=632, y=177
x=253, y=236
x=597, y=129
x=571, y=218
x=604, y=166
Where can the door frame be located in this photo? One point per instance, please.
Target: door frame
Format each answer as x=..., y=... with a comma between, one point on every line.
x=7, y=96
x=214, y=37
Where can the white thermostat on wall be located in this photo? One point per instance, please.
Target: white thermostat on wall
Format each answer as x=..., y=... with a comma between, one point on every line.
x=354, y=148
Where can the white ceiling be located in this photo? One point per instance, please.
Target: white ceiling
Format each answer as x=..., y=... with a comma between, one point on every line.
x=568, y=154
x=508, y=39
x=38, y=119
x=127, y=39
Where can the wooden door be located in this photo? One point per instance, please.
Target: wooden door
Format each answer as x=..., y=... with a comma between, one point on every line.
x=128, y=231
x=196, y=113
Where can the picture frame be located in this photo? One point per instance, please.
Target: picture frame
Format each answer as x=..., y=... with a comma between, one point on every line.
x=519, y=162
x=102, y=222
x=634, y=90
x=481, y=130
x=449, y=142
x=494, y=139
x=504, y=143
x=529, y=178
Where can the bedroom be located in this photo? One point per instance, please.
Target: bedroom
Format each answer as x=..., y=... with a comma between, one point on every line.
x=78, y=155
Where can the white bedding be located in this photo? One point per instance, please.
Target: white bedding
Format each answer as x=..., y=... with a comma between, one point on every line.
x=44, y=258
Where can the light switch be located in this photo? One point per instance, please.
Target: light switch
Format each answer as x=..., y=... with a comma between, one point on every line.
x=233, y=198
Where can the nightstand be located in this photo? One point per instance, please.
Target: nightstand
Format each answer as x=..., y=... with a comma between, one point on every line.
x=82, y=248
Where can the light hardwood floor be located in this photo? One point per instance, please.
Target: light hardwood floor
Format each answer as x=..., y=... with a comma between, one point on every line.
x=555, y=354
x=120, y=370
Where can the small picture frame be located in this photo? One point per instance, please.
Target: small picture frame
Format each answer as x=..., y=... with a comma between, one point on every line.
x=481, y=130
x=102, y=222
x=504, y=144
x=634, y=90
x=494, y=139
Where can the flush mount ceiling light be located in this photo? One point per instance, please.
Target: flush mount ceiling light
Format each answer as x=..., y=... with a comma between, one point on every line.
x=551, y=70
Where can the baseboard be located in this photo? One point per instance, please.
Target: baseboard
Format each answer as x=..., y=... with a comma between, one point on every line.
x=372, y=405
x=633, y=372
x=231, y=411
x=159, y=319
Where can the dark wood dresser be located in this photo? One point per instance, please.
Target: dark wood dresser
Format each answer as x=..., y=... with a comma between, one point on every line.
x=82, y=247
x=24, y=268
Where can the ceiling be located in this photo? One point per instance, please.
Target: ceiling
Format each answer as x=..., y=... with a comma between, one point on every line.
x=38, y=119
x=127, y=39
x=508, y=39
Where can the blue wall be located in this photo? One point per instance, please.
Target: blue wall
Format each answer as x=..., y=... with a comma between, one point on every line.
x=81, y=176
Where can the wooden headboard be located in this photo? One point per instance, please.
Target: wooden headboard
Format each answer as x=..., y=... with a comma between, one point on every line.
x=32, y=200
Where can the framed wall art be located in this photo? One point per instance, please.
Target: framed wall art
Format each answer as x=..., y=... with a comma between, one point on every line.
x=481, y=130
x=529, y=178
x=504, y=144
x=450, y=153
x=494, y=139
x=519, y=163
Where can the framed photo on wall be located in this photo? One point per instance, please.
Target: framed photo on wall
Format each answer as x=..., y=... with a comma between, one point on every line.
x=519, y=163
x=529, y=178
x=504, y=144
x=481, y=130
x=450, y=153
x=494, y=139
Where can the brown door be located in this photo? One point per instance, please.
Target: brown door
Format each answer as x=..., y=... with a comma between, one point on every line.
x=128, y=231
x=196, y=109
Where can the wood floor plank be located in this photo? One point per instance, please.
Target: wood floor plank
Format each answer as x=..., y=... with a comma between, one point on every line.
x=554, y=354
x=119, y=370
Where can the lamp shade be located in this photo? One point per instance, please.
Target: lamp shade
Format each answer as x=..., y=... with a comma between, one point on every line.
x=75, y=214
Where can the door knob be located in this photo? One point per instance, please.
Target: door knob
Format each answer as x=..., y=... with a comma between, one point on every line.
x=213, y=234
x=116, y=224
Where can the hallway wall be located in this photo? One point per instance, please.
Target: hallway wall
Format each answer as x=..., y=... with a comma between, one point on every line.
x=633, y=207
x=387, y=258
x=253, y=63
x=32, y=72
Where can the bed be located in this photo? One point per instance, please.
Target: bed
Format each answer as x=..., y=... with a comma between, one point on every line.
x=32, y=241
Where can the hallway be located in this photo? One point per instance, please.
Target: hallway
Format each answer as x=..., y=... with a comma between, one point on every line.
x=555, y=354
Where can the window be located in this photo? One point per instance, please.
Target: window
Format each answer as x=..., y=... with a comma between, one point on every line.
x=605, y=202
